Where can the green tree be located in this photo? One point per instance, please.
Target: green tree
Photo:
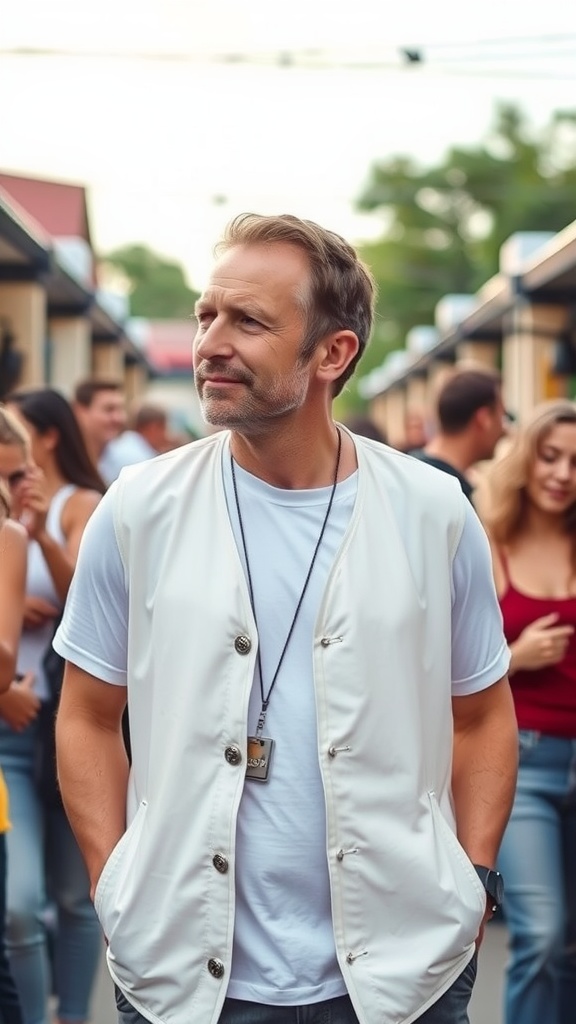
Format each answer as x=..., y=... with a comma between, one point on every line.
x=157, y=287
x=445, y=224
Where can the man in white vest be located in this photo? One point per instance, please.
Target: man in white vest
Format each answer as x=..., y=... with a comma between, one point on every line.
x=304, y=626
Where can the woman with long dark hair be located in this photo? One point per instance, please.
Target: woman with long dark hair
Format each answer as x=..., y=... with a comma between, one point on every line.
x=528, y=504
x=53, y=498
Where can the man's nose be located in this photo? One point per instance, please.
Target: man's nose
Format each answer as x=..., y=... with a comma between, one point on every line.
x=213, y=340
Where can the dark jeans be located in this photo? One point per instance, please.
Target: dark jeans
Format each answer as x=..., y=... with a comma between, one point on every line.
x=451, y=1008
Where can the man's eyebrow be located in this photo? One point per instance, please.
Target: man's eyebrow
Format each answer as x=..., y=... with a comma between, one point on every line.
x=248, y=307
x=251, y=308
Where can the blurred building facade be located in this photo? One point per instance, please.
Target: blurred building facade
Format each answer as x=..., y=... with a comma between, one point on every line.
x=522, y=321
x=167, y=345
x=58, y=326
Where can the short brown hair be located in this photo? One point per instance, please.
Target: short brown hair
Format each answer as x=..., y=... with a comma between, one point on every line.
x=143, y=414
x=342, y=290
x=86, y=390
x=463, y=393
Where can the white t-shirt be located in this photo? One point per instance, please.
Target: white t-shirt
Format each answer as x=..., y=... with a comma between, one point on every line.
x=283, y=942
x=126, y=449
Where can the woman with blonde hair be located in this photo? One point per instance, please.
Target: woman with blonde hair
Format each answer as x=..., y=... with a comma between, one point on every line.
x=54, y=490
x=528, y=505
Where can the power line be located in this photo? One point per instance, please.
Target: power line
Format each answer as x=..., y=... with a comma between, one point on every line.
x=392, y=59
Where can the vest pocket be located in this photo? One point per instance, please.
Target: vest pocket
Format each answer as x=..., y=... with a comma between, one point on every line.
x=121, y=855
x=464, y=872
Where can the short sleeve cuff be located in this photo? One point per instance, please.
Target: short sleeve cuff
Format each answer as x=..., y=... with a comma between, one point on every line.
x=490, y=675
x=88, y=663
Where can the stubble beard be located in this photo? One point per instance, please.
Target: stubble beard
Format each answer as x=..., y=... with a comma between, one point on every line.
x=257, y=409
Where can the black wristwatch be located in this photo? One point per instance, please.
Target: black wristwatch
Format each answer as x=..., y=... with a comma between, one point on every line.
x=493, y=883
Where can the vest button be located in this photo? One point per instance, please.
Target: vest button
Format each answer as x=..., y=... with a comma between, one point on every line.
x=243, y=644
x=220, y=863
x=233, y=754
x=216, y=967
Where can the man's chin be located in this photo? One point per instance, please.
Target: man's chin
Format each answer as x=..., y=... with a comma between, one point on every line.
x=218, y=419
x=241, y=425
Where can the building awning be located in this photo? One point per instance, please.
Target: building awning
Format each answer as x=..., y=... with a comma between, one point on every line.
x=25, y=250
x=551, y=276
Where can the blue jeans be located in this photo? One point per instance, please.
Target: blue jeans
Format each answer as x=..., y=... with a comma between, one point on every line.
x=451, y=1008
x=45, y=870
x=10, y=1012
x=538, y=862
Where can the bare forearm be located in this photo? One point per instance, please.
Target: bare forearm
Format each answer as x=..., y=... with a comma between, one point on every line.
x=93, y=777
x=13, y=553
x=484, y=777
x=7, y=666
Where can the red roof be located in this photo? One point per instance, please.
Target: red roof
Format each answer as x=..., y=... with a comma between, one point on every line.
x=26, y=220
x=59, y=208
x=168, y=344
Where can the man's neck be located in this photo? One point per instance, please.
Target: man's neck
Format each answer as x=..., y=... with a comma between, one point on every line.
x=295, y=462
x=95, y=451
x=453, y=450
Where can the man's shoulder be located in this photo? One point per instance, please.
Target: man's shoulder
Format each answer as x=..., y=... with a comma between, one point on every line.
x=129, y=444
x=157, y=491
x=416, y=492
x=446, y=467
x=414, y=465
x=433, y=460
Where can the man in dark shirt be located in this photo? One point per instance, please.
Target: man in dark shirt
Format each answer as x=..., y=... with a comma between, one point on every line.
x=471, y=420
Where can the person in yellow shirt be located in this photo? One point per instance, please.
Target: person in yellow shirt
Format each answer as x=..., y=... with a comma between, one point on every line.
x=13, y=545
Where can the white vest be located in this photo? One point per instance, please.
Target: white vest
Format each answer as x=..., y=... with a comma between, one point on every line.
x=408, y=905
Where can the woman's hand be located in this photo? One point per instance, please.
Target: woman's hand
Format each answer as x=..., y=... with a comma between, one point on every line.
x=542, y=643
x=37, y=612
x=34, y=503
x=19, y=706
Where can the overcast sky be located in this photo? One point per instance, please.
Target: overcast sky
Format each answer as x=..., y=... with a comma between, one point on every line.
x=170, y=149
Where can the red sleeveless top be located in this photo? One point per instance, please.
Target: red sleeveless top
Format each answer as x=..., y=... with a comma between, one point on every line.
x=545, y=699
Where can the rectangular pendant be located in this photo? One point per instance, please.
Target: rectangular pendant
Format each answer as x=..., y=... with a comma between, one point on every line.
x=259, y=757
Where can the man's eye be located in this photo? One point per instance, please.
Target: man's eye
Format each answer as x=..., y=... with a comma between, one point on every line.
x=204, y=318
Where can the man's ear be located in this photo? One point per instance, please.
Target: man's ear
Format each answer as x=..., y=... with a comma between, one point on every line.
x=335, y=354
x=482, y=417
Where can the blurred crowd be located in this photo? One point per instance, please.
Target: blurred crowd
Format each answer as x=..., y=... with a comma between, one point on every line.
x=56, y=460
x=57, y=457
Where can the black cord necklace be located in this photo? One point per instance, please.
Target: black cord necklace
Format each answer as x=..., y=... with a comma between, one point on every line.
x=259, y=746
